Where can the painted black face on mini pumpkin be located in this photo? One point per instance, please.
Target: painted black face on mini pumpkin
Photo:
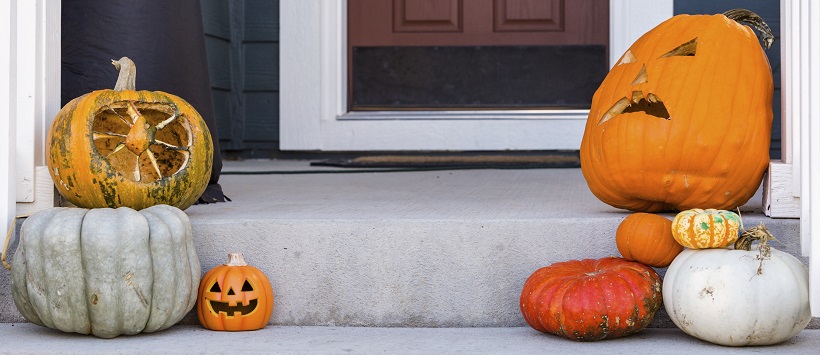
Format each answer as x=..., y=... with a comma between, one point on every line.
x=232, y=299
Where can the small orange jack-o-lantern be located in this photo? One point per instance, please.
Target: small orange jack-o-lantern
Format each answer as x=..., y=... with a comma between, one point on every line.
x=683, y=120
x=234, y=296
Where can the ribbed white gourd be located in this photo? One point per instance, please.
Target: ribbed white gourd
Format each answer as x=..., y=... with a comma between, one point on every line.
x=106, y=272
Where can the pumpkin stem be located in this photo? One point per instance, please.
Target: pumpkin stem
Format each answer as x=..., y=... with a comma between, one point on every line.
x=743, y=15
x=761, y=233
x=236, y=259
x=128, y=74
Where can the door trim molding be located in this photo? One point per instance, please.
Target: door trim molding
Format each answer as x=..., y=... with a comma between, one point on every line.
x=313, y=79
x=468, y=115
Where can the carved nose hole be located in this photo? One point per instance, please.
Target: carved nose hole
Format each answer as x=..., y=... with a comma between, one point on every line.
x=230, y=292
x=641, y=78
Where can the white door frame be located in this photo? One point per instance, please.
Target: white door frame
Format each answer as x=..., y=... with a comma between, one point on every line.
x=313, y=98
x=29, y=100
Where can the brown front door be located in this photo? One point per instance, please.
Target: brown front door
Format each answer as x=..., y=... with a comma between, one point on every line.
x=476, y=54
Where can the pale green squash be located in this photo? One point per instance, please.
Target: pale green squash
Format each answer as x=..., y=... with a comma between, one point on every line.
x=106, y=272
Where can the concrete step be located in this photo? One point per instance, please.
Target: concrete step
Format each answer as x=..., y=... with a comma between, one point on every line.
x=407, y=249
x=31, y=339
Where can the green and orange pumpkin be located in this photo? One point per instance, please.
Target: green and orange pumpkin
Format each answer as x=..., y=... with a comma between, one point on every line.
x=123, y=147
x=706, y=229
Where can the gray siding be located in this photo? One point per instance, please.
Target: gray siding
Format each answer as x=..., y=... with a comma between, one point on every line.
x=242, y=41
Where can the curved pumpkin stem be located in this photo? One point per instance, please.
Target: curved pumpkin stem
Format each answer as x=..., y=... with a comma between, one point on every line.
x=743, y=15
x=128, y=74
x=761, y=233
x=749, y=236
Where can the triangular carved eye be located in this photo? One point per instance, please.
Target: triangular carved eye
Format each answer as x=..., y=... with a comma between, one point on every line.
x=687, y=49
x=246, y=287
x=216, y=288
x=627, y=58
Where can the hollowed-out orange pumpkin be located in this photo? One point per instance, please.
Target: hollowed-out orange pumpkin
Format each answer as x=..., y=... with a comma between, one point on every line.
x=591, y=299
x=123, y=147
x=683, y=120
x=234, y=296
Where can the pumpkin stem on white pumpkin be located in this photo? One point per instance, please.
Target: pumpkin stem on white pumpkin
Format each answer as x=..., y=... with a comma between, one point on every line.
x=743, y=15
x=236, y=259
x=750, y=235
x=128, y=74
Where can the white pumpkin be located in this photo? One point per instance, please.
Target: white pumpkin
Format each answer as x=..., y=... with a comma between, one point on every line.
x=729, y=297
x=106, y=271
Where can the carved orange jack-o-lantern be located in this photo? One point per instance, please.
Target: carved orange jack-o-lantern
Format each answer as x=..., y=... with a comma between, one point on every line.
x=234, y=296
x=683, y=120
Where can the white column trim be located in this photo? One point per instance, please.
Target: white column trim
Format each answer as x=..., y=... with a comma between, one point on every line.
x=49, y=73
x=24, y=54
x=793, y=184
x=8, y=130
x=781, y=189
x=29, y=100
x=809, y=144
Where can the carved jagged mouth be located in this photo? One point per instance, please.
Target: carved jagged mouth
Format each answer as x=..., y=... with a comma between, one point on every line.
x=650, y=105
x=223, y=307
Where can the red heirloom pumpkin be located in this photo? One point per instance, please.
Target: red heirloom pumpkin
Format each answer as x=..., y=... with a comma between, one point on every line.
x=591, y=299
x=647, y=238
x=234, y=296
x=683, y=120
x=123, y=147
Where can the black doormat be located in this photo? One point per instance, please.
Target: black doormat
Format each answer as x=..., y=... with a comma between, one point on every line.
x=478, y=161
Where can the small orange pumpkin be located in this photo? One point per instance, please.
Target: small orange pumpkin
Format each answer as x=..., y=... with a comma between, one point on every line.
x=684, y=119
x=122, y=147
x=647, y=238
x=234, y=296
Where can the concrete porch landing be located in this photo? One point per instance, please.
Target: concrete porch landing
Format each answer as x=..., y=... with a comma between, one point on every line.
x=399, y=262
